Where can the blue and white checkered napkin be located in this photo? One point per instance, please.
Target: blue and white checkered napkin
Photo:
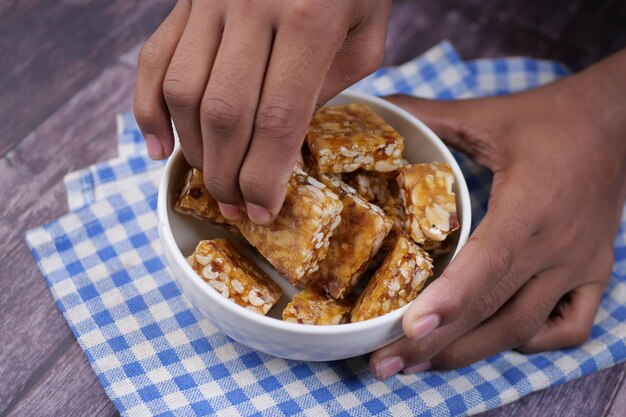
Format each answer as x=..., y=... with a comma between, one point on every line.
x=154, y=354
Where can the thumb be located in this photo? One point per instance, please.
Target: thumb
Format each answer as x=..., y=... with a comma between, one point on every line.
x=469, y=125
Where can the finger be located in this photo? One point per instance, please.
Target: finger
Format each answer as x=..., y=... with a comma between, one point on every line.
x=571, y=327
x=360, y=54
x=188, y=73
x=230, y=101
x=481, y=263
x=300, y=58
x=532, y=260
x=149, y=106
x=512, y=326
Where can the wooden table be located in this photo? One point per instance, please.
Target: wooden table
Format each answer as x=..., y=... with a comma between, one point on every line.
x=66, y=69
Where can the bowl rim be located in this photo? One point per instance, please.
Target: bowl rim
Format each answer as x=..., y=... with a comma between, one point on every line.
x=167, y=237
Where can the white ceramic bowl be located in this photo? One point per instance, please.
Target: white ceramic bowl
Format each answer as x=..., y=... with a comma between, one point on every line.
x=180, y=234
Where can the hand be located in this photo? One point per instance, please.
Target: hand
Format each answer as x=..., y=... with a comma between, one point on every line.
x=241, y=79
x=532, y=275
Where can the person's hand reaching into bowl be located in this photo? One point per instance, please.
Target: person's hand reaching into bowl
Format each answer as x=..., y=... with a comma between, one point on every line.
x=241, y=80
x=532, y=275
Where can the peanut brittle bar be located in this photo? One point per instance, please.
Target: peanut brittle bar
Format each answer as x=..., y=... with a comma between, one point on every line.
x=297, y=240
x=429, y=202
x=312, y=306
x=195, y=200
x=397, y=282
x=347, y=137
x=235, y=277
x=362, y=230
x=381, y=188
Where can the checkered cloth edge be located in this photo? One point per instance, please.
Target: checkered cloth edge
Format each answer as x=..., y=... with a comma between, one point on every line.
x=155, y=356
x=510, y=75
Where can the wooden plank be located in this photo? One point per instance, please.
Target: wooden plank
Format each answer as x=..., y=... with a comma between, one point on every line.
x=32, y=328
x=51, y=49
x=596, y=31
x=617, y=407
x=548, y=19
x=410, y=31
x=418, y=25
x=31, y=191
x=577, y=32
x=68, y=388
x=588, y=396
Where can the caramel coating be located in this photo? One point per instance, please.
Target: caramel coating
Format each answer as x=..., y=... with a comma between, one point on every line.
x=312, y=306
x=429, y=202
x=397, y=282
x=347, y=137
x=358, y=238
x=233, y=276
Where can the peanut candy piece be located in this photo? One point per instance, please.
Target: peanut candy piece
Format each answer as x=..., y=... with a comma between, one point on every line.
x=297, y=240
x=381, y=189
x=429, y=202
x=358, y=238
x=233, y=276
x=312, y=306
x=397, y=282
x=194, y=200
x=347, y=137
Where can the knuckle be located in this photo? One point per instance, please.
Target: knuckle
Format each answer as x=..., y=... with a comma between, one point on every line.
x=496, y=262
x=485, y=307
x=220, y=115
x=278, y=121
x=178, y=93
x=150, y=55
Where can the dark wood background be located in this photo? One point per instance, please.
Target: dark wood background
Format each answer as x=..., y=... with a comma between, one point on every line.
x=67, y=67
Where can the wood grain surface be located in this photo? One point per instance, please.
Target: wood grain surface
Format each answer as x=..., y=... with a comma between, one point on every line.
x=66, y=69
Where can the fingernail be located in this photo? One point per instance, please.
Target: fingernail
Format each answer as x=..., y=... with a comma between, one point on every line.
x=230, y=212
x=388, y=366
x=258, y=214
x=420, y=367
x=424, y=325
x=155, y=149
